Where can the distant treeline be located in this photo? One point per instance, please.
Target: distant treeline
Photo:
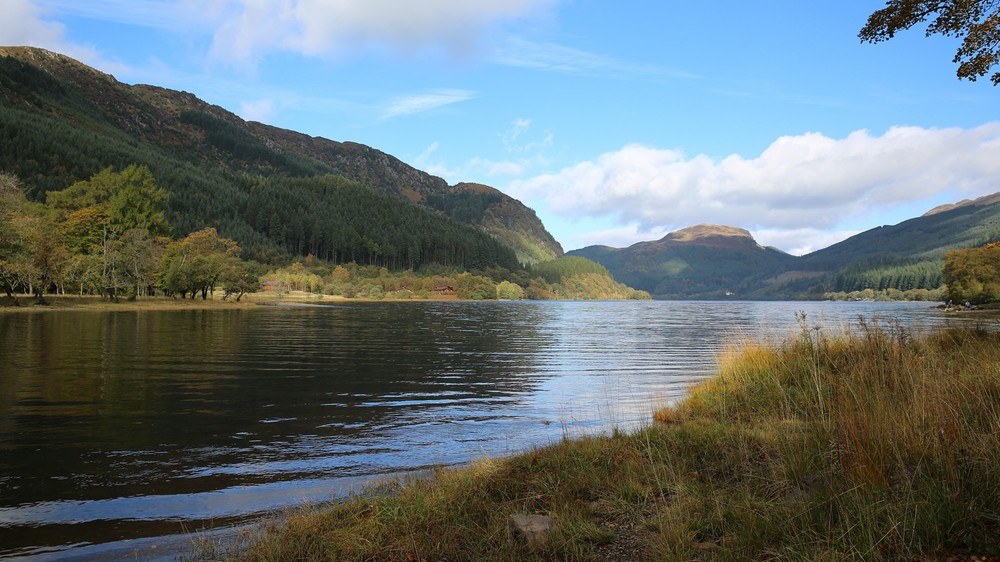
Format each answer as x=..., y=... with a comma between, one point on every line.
x=902, y=277
x=561, y=278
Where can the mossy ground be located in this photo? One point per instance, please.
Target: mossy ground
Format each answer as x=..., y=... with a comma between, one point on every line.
x=873, y=446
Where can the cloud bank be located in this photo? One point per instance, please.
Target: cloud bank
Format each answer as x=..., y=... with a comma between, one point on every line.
x=248, y=29
x=805, y=183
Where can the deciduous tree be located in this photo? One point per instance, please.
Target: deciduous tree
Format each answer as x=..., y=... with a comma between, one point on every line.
x=509, y=291
x=973, y=275
x=129, y=199
x=12, y=236
x=48, y=254
x=975, y=22
x=196, y=262
x=240, y=278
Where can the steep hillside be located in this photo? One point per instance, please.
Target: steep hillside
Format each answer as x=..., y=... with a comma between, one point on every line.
x=61, y=121
x=928, y=236
x=704, y=261
x=908, y=255
x=575, y=278
x=504, y=217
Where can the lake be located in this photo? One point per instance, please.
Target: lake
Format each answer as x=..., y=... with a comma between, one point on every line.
x=115, y=426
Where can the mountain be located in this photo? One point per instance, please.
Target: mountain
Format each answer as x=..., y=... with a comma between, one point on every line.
x=908, y=255
x=978, y=202
x=62, y=121
x=704, y=261
x=719, y=261
x=486, y=207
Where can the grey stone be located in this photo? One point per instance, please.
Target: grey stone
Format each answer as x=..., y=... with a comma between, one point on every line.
x=532, y=529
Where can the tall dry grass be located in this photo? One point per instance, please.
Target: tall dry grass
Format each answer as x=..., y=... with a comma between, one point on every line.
x=900, y=435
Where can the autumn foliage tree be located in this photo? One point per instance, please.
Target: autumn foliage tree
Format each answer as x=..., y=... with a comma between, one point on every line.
x=196, y=262
x=112, y=224
x=127, y=199
x=975, y=22
x=240, y=278
x=973, y=275
x=13, y=243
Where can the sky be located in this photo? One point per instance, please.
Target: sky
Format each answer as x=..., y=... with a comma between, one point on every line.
x=616, y=121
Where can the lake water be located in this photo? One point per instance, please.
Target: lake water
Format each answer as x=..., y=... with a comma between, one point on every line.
x=120, y=425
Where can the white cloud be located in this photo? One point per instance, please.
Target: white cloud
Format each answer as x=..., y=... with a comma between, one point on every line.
x=513, y=138
x=619, y=237
x=807, y=181
x=525, y=155
x=422, y=158
x=408, y=105
x=24, y=23
x=553, y=57
x=476, y=169
x=162, y=14
x=257, y=110
x=801, y=241
x=517, y=128
x=248, y=29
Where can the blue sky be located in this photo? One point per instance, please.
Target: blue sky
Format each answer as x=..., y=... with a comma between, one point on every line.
x=617, y=122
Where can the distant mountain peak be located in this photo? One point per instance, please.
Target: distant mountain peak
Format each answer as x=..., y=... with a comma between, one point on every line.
x=978, y=202
x=50, y=61
x=704, y=261
x=35, y=53
x=713, y=235
x=702, y=231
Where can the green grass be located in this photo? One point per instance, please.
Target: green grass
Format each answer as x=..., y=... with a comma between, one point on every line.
x=874, y=446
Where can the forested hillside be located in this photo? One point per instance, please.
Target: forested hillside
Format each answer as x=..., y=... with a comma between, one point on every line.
x=276, y=192
x=906, y=256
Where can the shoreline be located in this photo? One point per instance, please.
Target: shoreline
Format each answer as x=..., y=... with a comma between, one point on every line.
x=779, y=452
x=77, y=303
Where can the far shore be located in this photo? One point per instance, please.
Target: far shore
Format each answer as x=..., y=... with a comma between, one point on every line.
x=27, y=303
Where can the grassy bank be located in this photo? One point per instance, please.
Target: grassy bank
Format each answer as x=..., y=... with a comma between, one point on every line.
x=873, y=446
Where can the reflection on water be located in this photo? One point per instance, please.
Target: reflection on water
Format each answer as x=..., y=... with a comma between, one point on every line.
x=129, y=424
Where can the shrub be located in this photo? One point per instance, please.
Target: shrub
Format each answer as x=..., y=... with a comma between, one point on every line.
x=509, y=291
x=475, y=287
